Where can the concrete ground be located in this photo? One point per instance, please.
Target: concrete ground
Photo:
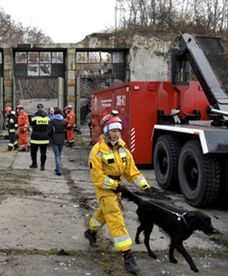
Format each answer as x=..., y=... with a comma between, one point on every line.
x=43, y=218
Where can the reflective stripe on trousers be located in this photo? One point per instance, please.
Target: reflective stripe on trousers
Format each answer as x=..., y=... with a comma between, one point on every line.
x=122, y=242
x=109, y=213
x=94, y=225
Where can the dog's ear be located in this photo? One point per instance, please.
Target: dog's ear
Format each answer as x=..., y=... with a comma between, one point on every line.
x=191, y=215
x=200, y=221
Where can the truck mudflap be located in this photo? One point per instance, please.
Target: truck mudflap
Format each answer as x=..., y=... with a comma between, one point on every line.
x=193, y=164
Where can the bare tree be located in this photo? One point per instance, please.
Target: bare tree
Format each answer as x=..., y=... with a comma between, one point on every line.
x=14, y=32
x=201, y=15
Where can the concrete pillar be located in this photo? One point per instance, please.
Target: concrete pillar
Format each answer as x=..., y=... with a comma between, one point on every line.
x=70, y=78
x=78, y=104
x=1, y=104
x=61, y=93
x=8, y=76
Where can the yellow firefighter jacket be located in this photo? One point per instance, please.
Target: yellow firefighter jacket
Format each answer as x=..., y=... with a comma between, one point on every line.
x=107, y=165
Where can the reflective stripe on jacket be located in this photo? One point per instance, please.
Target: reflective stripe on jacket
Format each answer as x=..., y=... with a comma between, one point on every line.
x=11, y=122
x=39, y=123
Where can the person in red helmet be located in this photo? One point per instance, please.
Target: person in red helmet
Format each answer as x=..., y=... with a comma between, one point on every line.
x=109, y=161
x=23, y=128
x=11, y=125
x=70, y=125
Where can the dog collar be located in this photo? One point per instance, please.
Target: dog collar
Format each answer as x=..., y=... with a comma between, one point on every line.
x=181, y=216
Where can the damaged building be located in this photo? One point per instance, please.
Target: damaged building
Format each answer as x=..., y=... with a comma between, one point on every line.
x=60, y=74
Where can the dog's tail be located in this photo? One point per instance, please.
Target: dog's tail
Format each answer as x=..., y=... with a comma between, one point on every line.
x=126, y=193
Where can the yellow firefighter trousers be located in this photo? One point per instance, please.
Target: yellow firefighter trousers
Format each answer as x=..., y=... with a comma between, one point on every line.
x=109, y=213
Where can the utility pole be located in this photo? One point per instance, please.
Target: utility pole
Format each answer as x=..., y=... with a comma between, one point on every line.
x=116, y=15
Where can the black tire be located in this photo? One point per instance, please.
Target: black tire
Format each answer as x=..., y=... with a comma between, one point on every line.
x=165, y=161
x=199, y=175
x=223, y=194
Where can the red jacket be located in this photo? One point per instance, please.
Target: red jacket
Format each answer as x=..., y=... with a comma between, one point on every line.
x=70, y=119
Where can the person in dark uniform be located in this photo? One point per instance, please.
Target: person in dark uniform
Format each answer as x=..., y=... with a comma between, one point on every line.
x=11, y=125
x=39, y=137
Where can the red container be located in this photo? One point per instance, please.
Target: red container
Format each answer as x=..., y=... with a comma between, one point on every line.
x=137, y=104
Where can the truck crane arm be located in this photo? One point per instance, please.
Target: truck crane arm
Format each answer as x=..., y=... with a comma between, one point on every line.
x=189, y=51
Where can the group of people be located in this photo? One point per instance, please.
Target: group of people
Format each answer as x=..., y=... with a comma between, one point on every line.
x=51, y=127
x=17, y=123
x=109, y=161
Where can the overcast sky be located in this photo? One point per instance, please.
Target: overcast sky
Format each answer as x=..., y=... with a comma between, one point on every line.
x=66, y=21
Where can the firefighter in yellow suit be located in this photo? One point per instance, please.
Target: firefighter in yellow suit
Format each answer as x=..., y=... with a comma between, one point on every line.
x=109, y=160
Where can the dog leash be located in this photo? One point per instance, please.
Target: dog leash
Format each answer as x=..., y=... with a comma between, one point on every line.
x=179, y=216
x=121, y=206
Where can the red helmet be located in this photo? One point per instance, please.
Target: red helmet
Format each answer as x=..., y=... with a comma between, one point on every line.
x=8, y=109
x=20, y=106
x=111, y=121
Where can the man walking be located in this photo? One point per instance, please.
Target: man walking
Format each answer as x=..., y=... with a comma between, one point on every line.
x=39, y=137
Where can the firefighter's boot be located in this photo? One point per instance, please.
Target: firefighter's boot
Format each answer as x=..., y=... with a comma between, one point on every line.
x=16, y=146
x=129, y=263
x=9, y=148
x=33, y=166
x=91, y=236
x=42, y=168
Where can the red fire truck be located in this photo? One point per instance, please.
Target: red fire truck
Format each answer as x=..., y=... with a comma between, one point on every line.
x=177, y=126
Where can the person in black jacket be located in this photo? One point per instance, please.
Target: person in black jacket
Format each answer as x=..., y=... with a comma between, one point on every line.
x=39, y=137
x=11, y=125
x=56, y=133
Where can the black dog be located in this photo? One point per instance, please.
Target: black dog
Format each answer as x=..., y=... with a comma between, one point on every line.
x=178, y=224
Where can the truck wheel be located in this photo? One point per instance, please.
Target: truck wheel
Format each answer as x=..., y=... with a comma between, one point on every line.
x=165, y=160
x=199, y=175
x=223, y=195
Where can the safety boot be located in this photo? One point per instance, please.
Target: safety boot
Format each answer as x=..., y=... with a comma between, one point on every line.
x=91, y=236
x=42, y=168
x=33, y=166
x=129, y=263
x=16, y=147
x=10, y=148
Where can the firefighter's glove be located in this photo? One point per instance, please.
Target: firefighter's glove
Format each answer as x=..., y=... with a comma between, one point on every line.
x=119, y=189
x=145, y=186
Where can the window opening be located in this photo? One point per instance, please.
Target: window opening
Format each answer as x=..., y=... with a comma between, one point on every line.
x=103, y=64
x=39, y=63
